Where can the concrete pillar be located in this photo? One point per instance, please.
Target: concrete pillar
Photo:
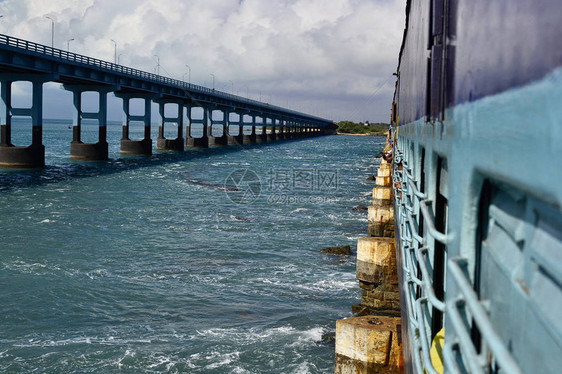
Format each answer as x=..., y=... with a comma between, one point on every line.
x=381, y=220
x=289, y=131
x=378, y=277
x=31, y=156
x=262, y=136
x=89, y=151
x=162, y=143
x=203, y=141
x=368, y=344
x=280, y=135
x=251, y=139
x=272, y=136
x=136, y=147
x=382, y=195
x=223, y=138
x=371, y=343
x=286, y=131
x=236, y=139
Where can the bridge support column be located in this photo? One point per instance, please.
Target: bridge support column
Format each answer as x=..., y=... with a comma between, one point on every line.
x=272, y=136
x=262, y=136
x=89, y=151
x=251, y=139
x=280, y=135
x=162, y=143
x=32, y=156
x=223, y=139
x=289, y=131
x=236, y=139
x=203, y=141
x=136, y=147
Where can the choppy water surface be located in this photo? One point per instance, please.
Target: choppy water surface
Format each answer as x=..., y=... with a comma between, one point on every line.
x=146, y=265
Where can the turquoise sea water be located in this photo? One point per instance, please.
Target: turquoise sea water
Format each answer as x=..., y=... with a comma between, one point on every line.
x=146, y=265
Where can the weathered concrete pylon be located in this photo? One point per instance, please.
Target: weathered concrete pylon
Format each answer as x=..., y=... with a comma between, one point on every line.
x=251, y=138
x=22, y=156
x=223, y=123
x=176, y=144
x=89, y=151
x=203, y=141
x=136, y=147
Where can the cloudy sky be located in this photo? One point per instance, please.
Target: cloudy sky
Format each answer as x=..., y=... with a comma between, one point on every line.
x=332, y=58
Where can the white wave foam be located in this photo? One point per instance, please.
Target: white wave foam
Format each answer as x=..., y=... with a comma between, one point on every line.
x=223, y=359
x=304, y=368
x=80, y=340
x=300, y=210
x=308, y=337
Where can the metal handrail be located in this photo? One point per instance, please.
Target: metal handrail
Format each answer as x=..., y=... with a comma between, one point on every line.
x=465, y=343
x=28, y=46
x=433, y=299
x=425, y=346
x=413, y=228
x=414, y=258
x=480, y=317
x=437, y=235
x=449, y=359
x=415, y=190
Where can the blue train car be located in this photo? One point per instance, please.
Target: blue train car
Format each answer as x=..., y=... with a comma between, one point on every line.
x=477, y=117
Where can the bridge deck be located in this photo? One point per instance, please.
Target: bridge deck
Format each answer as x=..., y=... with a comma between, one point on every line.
x=18, y=56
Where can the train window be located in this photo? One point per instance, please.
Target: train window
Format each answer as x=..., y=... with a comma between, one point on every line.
x=436, y=65
x=428, y=92
x=440, y=250
x=518, y=270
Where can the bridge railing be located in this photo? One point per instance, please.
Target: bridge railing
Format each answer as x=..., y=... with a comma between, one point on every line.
x=109, y=66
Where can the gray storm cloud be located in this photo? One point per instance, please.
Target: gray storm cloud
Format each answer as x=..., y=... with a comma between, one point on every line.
x=329, y=58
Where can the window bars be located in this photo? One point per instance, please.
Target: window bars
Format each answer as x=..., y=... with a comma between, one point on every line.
x=460, y=354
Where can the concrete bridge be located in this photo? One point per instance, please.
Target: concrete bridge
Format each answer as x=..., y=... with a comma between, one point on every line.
x=22, y=60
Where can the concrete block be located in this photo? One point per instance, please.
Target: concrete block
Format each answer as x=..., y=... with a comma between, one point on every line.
x=382, y=300
x=384, y=172
x=384, y=181
x=366, y=310
x=368, y=345
x=385, y=164
x=376, y=262
x=382, y=230
x=382, y=214
x=383, y=193
x=377, y=251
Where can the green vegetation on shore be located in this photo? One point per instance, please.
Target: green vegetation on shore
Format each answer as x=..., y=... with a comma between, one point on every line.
x=366, y=128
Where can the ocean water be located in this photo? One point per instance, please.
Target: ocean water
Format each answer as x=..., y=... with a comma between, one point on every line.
x=164, y=264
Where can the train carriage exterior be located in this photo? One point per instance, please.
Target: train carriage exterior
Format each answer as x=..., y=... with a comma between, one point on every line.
x=477, y=119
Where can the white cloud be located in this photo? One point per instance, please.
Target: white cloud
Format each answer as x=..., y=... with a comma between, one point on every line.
x=323, y=57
